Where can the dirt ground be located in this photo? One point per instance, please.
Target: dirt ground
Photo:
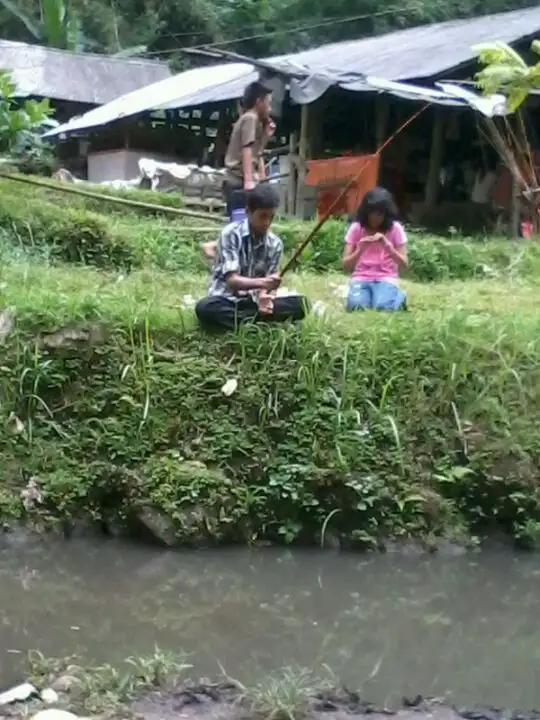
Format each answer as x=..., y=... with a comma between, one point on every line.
x=223, y=702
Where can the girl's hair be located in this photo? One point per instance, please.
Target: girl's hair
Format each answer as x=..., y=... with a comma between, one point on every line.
x=377, y=200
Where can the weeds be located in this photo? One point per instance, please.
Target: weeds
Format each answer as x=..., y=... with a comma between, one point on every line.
x=105, y=687
x=284, y=695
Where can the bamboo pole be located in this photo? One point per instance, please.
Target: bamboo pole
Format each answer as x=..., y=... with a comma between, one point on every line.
x=303, y=152
x=180, y=212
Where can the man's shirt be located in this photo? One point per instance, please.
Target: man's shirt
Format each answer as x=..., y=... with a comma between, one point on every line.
x=241, y=253
x=248, y=131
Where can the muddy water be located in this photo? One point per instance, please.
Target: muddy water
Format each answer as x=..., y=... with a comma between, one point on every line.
x=466, y=627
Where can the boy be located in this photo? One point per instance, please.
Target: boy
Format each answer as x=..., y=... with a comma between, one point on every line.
x=243, y=161
x=245, y=271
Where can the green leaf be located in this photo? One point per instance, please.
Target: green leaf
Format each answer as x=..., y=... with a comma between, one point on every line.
x=33, y=27
x=54, y=18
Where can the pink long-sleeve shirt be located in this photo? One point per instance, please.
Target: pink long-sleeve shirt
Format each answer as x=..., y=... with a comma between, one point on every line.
x=375, y=263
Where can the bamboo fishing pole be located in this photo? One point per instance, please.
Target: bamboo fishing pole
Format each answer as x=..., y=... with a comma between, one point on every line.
x=311, y=235
x=181, y=212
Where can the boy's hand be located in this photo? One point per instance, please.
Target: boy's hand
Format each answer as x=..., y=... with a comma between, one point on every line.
x=270, y=283
x=265, y=304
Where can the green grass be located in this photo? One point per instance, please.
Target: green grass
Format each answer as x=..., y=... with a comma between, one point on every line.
x=64, y=227
x=433, y=408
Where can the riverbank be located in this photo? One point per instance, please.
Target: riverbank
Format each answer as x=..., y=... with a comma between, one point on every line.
x=158, y=689
x=346, y=430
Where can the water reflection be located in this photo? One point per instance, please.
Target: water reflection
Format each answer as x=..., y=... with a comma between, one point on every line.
x=462, y=627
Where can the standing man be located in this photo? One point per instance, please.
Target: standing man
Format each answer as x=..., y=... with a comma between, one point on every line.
x=244, y=161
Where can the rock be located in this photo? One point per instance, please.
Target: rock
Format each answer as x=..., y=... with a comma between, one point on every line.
x=158, y=526
x=19, y=693
x=64, y=683
x=31, y=494
x=73, y=337
x=54, y=714
x=49, y=696
x=331, y=541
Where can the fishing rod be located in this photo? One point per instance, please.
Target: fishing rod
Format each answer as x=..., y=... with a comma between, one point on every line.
x=112, y=198
x=311, y=235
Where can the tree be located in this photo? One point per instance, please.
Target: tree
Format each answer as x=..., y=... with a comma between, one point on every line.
x=15, y=118
x=58, y=27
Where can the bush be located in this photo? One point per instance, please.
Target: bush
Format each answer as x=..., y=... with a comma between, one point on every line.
x=369, y=426
x=67, y=234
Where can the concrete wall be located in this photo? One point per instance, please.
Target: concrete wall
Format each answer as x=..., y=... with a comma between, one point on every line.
x=120, y=164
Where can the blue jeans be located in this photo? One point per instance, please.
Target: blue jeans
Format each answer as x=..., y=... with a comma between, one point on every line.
x=376, y=295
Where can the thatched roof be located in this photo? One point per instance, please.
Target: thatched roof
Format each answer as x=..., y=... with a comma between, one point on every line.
x=82, y=78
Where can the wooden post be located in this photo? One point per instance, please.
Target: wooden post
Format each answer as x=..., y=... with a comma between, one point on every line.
x=303, y=153
x=435, y=161
x=291, y=185
x=513, y=227
x=382, y=107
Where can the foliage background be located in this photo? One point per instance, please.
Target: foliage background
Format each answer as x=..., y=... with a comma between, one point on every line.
x=257, y=27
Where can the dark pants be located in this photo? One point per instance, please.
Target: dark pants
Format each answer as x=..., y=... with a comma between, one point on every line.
x=218, y=312
x=235, y=197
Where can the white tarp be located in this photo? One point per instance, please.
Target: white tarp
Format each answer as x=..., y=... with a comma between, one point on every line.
x=406, y=91
x=193, y=179
x=490, y=106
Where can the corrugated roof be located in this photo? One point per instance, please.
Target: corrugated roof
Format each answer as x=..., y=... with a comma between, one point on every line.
x=419, y=52
x=77, y=77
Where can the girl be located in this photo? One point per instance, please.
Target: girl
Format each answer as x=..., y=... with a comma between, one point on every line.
x=375, y=251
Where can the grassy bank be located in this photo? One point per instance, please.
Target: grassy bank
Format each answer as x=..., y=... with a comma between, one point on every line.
x=349, y=428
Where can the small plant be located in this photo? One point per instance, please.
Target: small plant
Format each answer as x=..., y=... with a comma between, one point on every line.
x=283, y=696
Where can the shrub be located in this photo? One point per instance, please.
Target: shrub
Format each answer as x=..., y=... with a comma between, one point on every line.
x=68, y=234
